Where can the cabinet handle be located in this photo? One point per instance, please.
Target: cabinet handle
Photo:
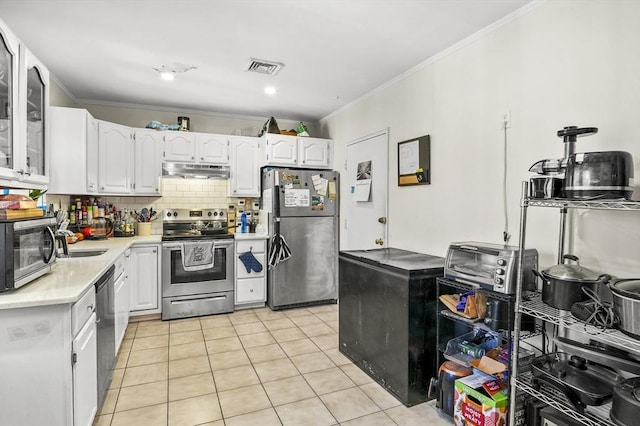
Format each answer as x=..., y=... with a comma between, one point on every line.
x=154, y=251
x=193, y=158
x=202, y=158
x=251, y=291
x=20, y=172
x=90, y=308
x=28, y=173
x=103, y=188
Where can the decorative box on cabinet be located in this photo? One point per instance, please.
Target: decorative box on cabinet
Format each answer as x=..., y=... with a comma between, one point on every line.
x=251, y=286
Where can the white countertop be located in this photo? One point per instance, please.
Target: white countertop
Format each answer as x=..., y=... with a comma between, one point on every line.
x=71, y=277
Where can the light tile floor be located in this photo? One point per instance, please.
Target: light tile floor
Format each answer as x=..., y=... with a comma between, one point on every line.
x=252, y=367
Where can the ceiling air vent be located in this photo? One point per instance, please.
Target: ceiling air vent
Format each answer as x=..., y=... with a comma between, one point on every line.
x=264, y=67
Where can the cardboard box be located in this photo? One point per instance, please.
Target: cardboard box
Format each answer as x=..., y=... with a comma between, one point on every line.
x=480, y=400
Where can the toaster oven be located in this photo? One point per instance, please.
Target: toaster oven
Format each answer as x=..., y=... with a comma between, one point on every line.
x=492, y=267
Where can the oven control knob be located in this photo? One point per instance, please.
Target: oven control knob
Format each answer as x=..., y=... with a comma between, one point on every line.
x=209, y=213
x=498, y=280
x=214, y=213
x=175, y=214
x=168, y=214
x=500, y=271
x=502, y=262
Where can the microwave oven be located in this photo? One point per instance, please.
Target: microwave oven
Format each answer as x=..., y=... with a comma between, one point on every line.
x=28, y=251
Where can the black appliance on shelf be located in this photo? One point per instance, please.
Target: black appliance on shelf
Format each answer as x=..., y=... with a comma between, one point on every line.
x=387, y=321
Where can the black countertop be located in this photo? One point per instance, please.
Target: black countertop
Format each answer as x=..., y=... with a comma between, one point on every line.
x=396, y=258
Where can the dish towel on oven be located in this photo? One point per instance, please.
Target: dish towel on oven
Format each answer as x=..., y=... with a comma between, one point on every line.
x=197, y=256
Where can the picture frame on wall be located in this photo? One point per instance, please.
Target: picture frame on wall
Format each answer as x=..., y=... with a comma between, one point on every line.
x=414, y=161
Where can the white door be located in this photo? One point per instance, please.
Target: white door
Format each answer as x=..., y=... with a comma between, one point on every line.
x=144, y=278
x=179, y=146
x=148, y=164
x=85, y=374
x=244, y=180
x=212, y=149
x=281, y=150
x=314, y=152
x=365, y=221
x=115, y=158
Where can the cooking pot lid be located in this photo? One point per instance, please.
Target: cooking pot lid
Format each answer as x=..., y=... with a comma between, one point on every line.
x=571, y=273
x=630, y=288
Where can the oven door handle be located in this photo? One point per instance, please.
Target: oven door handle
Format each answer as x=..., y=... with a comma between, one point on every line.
x=204, y=299
x=172, y=246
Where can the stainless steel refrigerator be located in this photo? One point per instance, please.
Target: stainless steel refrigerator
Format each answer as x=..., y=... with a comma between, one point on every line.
x=303, y=218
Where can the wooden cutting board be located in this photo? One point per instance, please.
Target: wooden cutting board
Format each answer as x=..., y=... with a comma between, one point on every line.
x=21, y=214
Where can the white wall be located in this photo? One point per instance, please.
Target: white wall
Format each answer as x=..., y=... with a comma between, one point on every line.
x=560, y=63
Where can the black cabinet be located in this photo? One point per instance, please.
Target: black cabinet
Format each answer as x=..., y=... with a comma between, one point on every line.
x=388, y=313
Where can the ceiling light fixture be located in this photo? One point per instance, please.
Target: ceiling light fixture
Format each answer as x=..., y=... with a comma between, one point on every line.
x=270, y=90
x=168, y=72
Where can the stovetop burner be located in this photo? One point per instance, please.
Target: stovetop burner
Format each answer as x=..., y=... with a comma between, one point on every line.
x=187, y=224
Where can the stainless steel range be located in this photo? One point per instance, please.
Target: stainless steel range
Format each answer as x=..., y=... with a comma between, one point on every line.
x=197, y=263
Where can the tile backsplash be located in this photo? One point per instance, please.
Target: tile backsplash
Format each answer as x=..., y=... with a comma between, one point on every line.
x=176, y=193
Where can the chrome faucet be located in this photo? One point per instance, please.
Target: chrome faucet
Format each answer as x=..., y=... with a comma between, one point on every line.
x=65, y=246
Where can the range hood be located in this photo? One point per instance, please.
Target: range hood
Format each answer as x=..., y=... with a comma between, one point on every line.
x=194, y=171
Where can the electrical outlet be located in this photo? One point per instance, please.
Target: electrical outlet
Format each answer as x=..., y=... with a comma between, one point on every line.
x=505, y=119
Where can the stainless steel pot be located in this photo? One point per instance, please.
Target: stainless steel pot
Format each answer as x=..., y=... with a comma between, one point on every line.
x=625, y=406
x=563, y=283
x=626, y=304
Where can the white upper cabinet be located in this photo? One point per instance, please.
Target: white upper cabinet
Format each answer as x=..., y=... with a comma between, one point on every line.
x=284, y=150
x=34, y=105
x=201, y=148
x=148, y=161
x=314, y=152
x=115, y=158
x=73, y=130
x=9, y=65
x=212, y=148
x=281, y=150
x=180, y=147
x=245, y=158
x=24, y=104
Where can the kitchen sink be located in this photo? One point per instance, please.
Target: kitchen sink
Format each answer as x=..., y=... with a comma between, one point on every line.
x=82, y=253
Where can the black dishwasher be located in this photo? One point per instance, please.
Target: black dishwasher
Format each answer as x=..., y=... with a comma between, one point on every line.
x=106, y=331
x=387, y=321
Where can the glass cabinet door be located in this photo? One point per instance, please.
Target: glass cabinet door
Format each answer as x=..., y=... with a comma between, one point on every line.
x=35, y=121
x=8, y=97
x=34, y=101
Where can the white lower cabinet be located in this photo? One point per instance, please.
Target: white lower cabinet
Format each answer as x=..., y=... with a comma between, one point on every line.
x=49, y=364
x=145, y=279
x=85, y=374
x=122, y=302
x=251, y=286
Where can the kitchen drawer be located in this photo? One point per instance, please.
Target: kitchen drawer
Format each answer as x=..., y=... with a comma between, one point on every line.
x=250, y=290
x=82, y=310
x=241, y=271
x=254, y=246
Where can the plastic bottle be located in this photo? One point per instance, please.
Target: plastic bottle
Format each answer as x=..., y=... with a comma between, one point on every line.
x=243, y=221
x=72, y=215
x=89, y=214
